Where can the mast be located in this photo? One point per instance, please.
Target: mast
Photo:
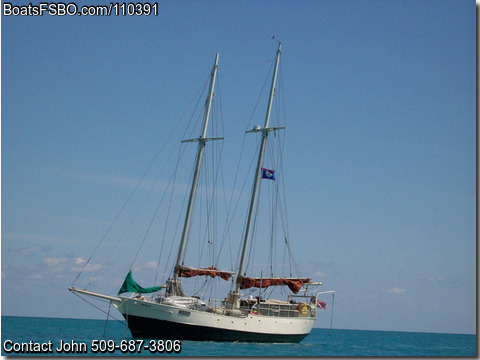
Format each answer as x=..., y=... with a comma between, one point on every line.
x=200, y=150
x=265, y=130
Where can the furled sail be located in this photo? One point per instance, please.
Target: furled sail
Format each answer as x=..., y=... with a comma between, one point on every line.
x=210, y=271
x=294, y=284
x=129, y=285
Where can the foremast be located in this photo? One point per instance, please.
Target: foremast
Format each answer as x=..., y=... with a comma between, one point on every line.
x=202, y=139
x=265, y=130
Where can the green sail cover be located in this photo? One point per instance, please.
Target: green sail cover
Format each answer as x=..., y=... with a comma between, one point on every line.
x=129, y=285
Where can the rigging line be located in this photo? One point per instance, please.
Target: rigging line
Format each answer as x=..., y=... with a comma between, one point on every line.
x=246, y=178
x=199, y=120
x=331, y=317
x=273, y=225
x=192, y=216
x=134, y=190
x=125, y=204
x=284, y=259
x=172, y=182
x=195, y=293
x=282, y=92
x=108, y=230
x=209, y=204
x=227, y=210
x=268, y=219
x=181, y=213
x=167, y=263
x=181, y=153
x=282, y=149
x=164, y=232
x=217, y=182
x=157, y=208
x=292, y=259
x=271, y=201
x=106, y=321
x=285, y=236
x=272, y=208
x=250, y=168
x=137, y=212
x=226, y=230
x=212, y=212
x=228, y=223
x=205, y=235
x=285, y=215
x=220, y=173
x=278, y=199
x=259, y=96
x=280, y=209
x=253, y=236
x=209, y=233
x=146, y=234
x=215, y=174
x=271, y=211
x=98, y=308
x=193, y=207
x=289, y=256
x=189, y=123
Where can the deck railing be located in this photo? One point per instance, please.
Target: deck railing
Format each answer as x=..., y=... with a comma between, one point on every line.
x=293, y=308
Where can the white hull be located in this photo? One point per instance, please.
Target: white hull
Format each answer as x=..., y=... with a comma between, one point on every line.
x=151, y=320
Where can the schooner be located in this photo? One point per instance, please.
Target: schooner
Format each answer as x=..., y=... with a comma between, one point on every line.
x=166, y=312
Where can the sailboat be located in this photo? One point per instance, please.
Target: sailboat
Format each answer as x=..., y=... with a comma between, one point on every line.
x=166, y=312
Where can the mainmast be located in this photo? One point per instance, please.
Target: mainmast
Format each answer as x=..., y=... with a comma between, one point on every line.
x=265, y=130
x=200, y=150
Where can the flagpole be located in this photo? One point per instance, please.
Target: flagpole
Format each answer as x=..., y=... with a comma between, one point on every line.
x=256, y=179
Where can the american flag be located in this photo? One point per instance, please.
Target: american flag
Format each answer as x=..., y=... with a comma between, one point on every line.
x=322, y=305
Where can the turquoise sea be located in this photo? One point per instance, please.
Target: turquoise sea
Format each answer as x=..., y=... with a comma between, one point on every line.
x=321, y=342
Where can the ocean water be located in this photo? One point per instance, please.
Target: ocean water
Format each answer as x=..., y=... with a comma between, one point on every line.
x=321, y=342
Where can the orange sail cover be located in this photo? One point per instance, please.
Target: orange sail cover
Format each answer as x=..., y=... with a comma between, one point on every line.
x=210, y=271
x=293, y=284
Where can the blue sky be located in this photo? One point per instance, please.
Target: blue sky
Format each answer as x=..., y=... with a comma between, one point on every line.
x=380, y=100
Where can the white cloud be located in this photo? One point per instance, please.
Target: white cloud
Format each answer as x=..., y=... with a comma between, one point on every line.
x=92, y=267
x=30, y=250
x=319, y=274
x=115, y=180
x=151, y=265
x=396, y=290
x=88, y=267
x=55, y=261
x=95, y=279
x=436, y=278
x=80, y=261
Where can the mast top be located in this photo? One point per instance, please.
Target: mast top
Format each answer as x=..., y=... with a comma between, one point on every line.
x=279, y=42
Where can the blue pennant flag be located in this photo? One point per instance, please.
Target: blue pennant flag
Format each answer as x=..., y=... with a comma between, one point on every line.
x=268, y=174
